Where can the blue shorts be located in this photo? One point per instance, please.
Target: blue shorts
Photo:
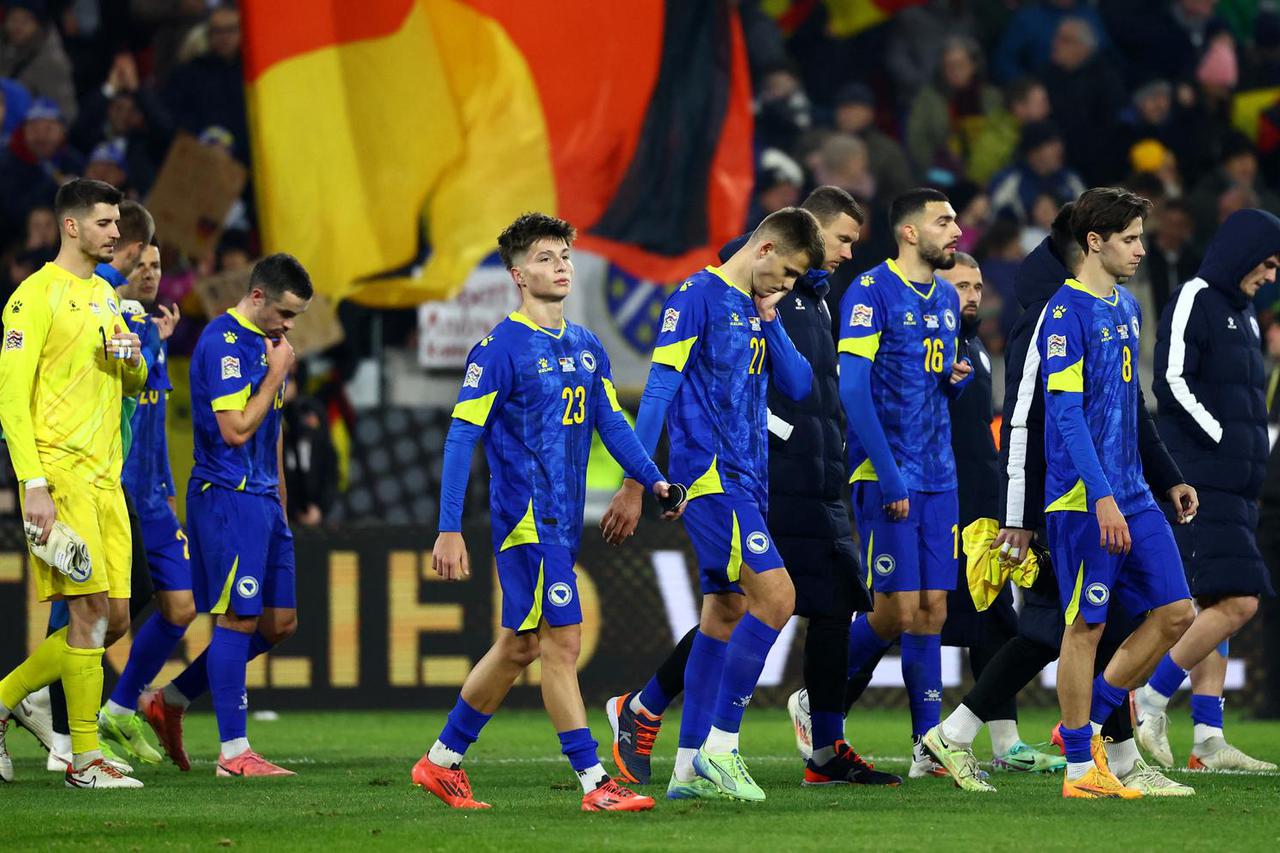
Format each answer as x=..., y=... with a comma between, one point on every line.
x=1149, y=576
x=168, y=552
x=728, y=532
x=241, y=551
x=538, y=582
x=919, y=552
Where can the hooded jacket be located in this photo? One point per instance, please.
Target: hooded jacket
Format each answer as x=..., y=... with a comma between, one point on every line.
x=975, y=450
x=1022, y=461
x=1210, y=379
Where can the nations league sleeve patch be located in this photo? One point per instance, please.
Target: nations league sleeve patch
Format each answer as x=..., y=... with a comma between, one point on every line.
x=472, y=379
x=1057, y=346
x=230, y=367
x=13, y=339
x=669, y=319
x=861, y=316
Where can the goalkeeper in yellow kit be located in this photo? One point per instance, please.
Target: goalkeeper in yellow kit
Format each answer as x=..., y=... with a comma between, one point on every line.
x=66, y=362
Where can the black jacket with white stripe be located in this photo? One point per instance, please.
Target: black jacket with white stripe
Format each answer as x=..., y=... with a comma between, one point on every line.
x=1022, y=461
x=1210, y=380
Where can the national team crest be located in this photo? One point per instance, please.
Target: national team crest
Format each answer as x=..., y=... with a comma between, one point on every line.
x=588, y=361
x=861, y=316
x=472, y=379
x=757, y=542
x=1057, y=346
x=884, y=564
x=1097, y=594
x=669, y=319
x=1133, y=324
x=230, y=367
x=559, y=593
x=949, y=320
x=112, y=306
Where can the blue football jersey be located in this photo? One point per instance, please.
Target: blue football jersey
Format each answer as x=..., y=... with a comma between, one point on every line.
x=717, y=424
x=538, y=394
x=1089, y=346
x=908, y=330
x=146, y=474
x=227, y=368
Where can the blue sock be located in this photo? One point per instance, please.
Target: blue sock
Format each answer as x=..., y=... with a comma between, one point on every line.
x=228, y=656
x=1106, y=698
x=1077, y=743
x=580, y=748
x=152, y=645
x=654, y=698
x=922, y=673
x=749, y=645
x=1167, y=678
x=463, y=727
x=702, y=676
x=193, y=681
x=864, y=644
x=828, y=727
x=1207, y=710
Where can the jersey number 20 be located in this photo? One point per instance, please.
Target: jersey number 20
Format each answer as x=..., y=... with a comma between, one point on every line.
x=933, y=348
x=575, y=405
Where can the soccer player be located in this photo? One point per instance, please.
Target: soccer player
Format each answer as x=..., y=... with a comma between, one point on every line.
x=242, y=563
x=67, y=363
x=1106, y=534
x=1040, y=622
x=719, y=347
x=898, y=369
x=535, y=388
x=149, y=481
x=810, y=525
x=1211, y=385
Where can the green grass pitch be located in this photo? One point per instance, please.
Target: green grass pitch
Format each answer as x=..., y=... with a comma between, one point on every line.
x=353, y=791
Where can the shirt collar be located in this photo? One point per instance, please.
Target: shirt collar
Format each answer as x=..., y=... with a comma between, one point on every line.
x=239, y=318
x=112, y=275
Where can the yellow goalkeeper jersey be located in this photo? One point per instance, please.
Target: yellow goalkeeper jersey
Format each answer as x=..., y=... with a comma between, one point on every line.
x=60, y=390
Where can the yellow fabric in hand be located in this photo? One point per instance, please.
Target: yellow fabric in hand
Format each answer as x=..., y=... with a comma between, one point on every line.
x=987, y=574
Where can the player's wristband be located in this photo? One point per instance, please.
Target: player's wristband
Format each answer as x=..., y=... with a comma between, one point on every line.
x=35, y=483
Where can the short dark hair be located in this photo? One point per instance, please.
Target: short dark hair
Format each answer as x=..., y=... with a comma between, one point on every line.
x=911, y=203
x=793, y=229
x=528, y=229
x=136, y=224
x=77, y=197
x=1017, y=91
x=278, y=274
x=1105, y=211
x=964, y=259
x=1060, y=238
x=826, y=203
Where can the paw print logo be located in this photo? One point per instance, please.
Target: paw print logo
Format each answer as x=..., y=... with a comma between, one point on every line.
x=865, y=281
x=488, y=339
x=1058, y=311
x=229, y=337
x=15, y=306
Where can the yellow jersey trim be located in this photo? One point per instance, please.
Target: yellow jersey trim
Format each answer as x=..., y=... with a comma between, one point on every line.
x=866, y=346
x=734, y=570
x=243, y=482
x=674, y=355
x=871, y=545
x=1073, y=609
x=718, y=273
x=475, y=411
x=243, y=321
x=865, y=471
x=896, y=270
x=612, y=394
x=1074, y=500
x=525, y=321
x=232, y=402
x=524, y=533
x=1069, y=378
x=707, y=484
x=534, y=616
x=225, y=599
x=1075, y=284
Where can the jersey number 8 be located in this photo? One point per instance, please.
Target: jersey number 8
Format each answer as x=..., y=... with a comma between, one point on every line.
x=1126, y=367
x=758, y=348
x=571, y=396
x=933, y=348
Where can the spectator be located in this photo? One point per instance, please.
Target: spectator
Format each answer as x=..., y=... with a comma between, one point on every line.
x=1043, y=212
x=14, y=103
x=31, y=52
x=172, y=22
x=107, y=163
x=782, y=109
x=1233, y=185
x=917, y=39
x=842, y=162
x=1040, y=170
x=779, y=180
x=855, y=115
x=1171, y=259
x=1165, y=38
x=1086, y=94
x=948, y=116
x=124, y=110
x=1157, y=163
x=1153, y=115
x=1025, y=46
x=208, y=91
x=310, y=461
x=1026, y=101
x=37, y=163
x=42, y=229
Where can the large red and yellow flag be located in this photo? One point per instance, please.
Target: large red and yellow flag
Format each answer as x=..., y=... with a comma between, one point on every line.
x=394, y=139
